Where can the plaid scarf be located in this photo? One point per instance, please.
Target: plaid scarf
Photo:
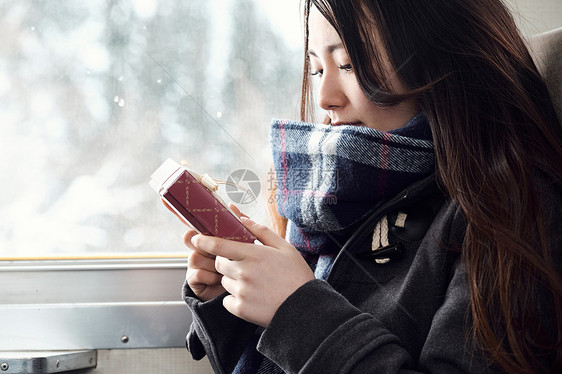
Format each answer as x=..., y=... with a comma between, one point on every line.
x=329, y=178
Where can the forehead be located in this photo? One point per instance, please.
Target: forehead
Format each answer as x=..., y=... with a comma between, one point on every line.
x=322, y=35
x=322, y=38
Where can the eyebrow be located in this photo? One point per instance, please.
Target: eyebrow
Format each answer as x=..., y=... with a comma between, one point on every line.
x=327, y=50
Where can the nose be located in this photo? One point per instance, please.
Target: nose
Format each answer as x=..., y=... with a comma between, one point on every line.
x=330, y=95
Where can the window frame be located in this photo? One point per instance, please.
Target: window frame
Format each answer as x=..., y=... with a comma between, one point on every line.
x=70, y=304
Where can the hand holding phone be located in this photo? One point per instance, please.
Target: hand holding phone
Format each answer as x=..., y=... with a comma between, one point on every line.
x=193, y=198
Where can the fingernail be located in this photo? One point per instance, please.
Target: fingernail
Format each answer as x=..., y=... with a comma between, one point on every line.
x=246, y=221
x=195, y=239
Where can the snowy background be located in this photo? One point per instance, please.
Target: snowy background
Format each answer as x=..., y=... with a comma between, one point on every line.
x=94, y=95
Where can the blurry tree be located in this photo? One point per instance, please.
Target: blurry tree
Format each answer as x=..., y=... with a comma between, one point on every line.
x=95, y=95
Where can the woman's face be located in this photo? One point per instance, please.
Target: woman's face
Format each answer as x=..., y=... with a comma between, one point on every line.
x=337, y=89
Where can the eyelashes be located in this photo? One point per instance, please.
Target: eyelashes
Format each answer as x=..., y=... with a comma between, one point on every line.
x=344, y=67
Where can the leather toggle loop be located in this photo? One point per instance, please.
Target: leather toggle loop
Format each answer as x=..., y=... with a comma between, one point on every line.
x=385, y=254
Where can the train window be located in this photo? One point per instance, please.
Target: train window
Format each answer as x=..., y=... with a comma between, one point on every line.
x=95, y=95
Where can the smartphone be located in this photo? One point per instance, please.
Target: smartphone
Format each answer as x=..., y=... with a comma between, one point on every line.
x=192, y=197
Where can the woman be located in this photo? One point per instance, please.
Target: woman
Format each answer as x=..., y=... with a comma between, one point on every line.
x=456, y=270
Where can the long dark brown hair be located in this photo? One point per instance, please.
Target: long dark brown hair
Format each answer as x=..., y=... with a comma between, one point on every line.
x=498, y=145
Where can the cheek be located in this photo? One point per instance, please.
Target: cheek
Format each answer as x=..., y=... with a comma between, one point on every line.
x=362, y=103
x=355, y=94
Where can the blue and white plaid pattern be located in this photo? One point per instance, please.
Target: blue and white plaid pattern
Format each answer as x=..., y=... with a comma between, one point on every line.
x=328, y=179
x=331, y=177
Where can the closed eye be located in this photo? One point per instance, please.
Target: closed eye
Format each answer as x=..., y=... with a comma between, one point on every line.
x=346, y=67
x=318, y=72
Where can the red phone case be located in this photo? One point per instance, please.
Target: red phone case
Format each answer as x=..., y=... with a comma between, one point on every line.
x=197, y=205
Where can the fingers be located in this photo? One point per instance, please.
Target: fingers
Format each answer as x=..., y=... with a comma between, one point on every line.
x=201, y=276
x=237, y=251
x=229, y=284
x=237, y=211
x=188, y=241
x=230, y=269
x=214, y=246
x=231, y=304
x=197, y=260
x=264, y=234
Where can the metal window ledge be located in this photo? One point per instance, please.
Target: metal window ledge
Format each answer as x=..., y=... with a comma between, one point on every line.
x=92, y=304
x=35, y=362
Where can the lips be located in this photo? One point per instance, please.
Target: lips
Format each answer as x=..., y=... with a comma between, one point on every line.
x=339, y=123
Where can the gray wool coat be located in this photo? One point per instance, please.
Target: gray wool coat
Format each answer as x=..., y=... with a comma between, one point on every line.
x=408, y=312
